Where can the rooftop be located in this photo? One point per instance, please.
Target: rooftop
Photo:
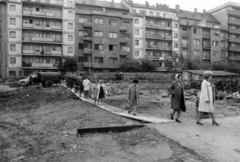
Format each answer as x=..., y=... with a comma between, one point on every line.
x=99, y=3
x=224, y=6
x=215, y=73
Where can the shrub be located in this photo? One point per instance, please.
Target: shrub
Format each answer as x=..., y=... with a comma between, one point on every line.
x=141, y=65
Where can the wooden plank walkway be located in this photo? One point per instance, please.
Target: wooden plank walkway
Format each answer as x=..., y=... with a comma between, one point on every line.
x=121, y=112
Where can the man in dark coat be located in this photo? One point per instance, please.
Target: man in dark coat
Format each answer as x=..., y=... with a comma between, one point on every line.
x=177, y=97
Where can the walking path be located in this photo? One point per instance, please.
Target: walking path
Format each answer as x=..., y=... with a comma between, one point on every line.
x=121, y=112
x=216, y=143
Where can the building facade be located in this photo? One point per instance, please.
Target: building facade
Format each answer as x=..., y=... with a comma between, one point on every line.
x=103, y=35
x=39, y=34
x=156, y=32
x=228, y=14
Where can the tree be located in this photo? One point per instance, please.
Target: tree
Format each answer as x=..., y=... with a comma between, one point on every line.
x=141, y=65
x=68, y=64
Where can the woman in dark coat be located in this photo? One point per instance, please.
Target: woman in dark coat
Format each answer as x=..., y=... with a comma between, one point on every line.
x=177, y=97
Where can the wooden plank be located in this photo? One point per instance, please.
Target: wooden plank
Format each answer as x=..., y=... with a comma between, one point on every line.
x=119, y=128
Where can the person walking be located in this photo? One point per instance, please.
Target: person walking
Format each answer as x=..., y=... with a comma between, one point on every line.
x=177, y=98
x=99, y=92
x=86, y=86
x=133, y=96
x=207, y=97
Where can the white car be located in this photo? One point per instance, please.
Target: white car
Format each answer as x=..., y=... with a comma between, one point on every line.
x=25, y=81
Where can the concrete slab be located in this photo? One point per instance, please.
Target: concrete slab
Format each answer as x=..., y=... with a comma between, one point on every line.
x=216, y=143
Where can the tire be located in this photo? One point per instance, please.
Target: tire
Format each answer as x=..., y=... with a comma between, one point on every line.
x=44, y=84
x=23, y=84
x=49, y=83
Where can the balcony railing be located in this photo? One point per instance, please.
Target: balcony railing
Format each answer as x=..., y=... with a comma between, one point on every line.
x=41, y=39
x=87, y=24
x=206, y=46
x=237, y=31
x=158, y=47
x=235, y=22
x=47, y=2
x=184, y=34
x=87, y=38
x=43, y=52
x=32, y=26
x=234, y=12
x=206, y=36
x=124, y=40
x=87, y=51
x=124, y=53
x=113, y=14
x=87, y=64
x=157, y=26
x=234, y=58
x=41, y=14
x=237, y=49
x=206, y=57
x=123, y=28
x=156, y=36
x=40, y=65
x=236, y=40
x=185, y=45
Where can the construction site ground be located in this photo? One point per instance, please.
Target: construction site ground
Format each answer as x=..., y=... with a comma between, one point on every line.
x=40, y=124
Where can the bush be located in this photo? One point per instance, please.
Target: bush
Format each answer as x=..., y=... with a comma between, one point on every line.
x=141, y=65
x=232, y=67
x=69, y=64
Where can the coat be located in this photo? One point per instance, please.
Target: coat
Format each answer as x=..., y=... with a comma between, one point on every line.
x=133, y=95
x=207, y=94
x=177, y=96
x=86, y=84
x=96, y=90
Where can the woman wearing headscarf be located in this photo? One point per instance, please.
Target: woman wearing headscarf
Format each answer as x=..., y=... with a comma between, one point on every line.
x=177, y=97
x=99, y=92
x=133, y=96
x=207, y=97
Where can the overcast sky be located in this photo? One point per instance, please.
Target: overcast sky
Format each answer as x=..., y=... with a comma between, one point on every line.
x=187, y=4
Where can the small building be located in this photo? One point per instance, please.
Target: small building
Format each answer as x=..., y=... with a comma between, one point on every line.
x=189, y=75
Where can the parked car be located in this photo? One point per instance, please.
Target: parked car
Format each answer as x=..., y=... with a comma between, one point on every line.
x=27, y=80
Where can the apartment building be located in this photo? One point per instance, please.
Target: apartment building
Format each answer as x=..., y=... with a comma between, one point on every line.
x=3, y=56
x=103, y=35
x=40, y=33
x=228, y=14
x=156, y=32
x=202, y=37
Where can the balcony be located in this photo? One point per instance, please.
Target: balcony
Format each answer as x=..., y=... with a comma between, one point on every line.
x=27, y=51
x=110, y=66
x=87, y=51
x=237, y=49
x=235, y=22
x=206, y=36
x=235, y=31
x=103, y=13
x=41, y=53
x=234, y=12
x=39, y=65
x=184, y=34
x=32, y=26
x=150, y=57
x=157, y=26
x=236, y=40
x=41, y=14
x=41, y=40
x=124, y=40
x=87, y=24
x=232, y=58
x=87, y=38
x=206, y=57
x=55, y=3
x=158, y=47
x=123, y=28
x=87, y=64
x=124, y=53
x=155, y=36
x=184, y=45
x=206, y=47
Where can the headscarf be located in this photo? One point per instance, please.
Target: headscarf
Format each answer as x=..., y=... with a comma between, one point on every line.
x=177, y=76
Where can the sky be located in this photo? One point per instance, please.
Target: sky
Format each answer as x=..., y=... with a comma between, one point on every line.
x=187, y=4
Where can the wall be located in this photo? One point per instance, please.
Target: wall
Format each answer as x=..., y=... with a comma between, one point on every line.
x=222, y=16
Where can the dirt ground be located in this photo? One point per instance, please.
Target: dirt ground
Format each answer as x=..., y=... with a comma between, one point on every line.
x=39, y=125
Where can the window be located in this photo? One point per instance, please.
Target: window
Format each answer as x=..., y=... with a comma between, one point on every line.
x=13, y=21
x=222, y=43
x=216, y=33
x=136, y=42
x=215, y=53
x=175, y=25
x=70, y=25
x=136, y=21
x=70, y=4
x=196, y=52
x=136, y=31
x=98, y=21
x=113, y=47
x=37, y=23
x=81, y=33
x=12, y=73
x=151, y=13
x=83, y=20
x=158, y=14
x=127, y=24
x=142, y=12
x=70, y=49
x=113, y=22
x=175, y=35
x=136, y=53
x=47, y=23
x=175, y=45
x=98, y=34
x=184, y=53
x=196, y=31
x=126, y=48
x=98, y=47
x=98, y=60
x=113, y=60
x=70, y=38
x=12, y=34
x=12, y=47
x=112, y=35
x=215, y=43
x=81, y=46
x=70, y=14
x=12, y=8
x=12, y=60
x=196, y=41
x=184, y=29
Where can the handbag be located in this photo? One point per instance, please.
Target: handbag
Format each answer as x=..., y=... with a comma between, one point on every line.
x=128, y=105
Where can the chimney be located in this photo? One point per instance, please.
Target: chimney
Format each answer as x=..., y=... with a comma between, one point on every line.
x=146, y=4
x=204, y=12
x=195, y=10
x=156, y=5
x=112, y=1
x=177, y=7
